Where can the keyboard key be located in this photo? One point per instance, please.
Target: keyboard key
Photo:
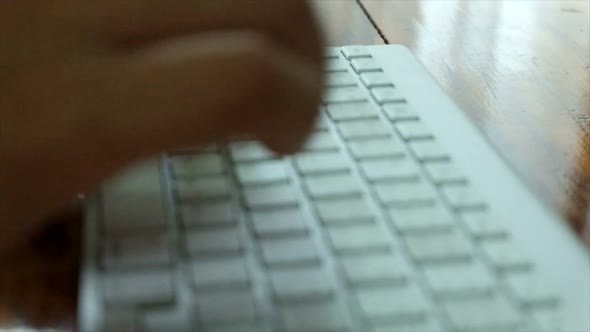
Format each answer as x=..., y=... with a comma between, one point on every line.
x=145, y=287
x=352, y=111
x=463, y=197
x=117, y=319
x=363, y=65
x=483, y=225
x=376, y=148
x=335, y=65
x=483, y=314
x=213, y=242
x=279, y=222
x=413, y=130
x=220, y=274
x=429, y=218
x=428, y=325
x=389, y=169
x=385, y=95
x=505, y=255
x=392, y=304
x=353, y=52
x=376, y=79
x=249, y=151
x=531, y=290
x=359, y=239
x=331, y=53
x=345, y=211
x=203, y=189
x=344, y=95
x=374, y=270
x=216, y=213
x=438, y=247
x=400, y=112
x=466, y=279
x=275, y=196
x=173, y=319
x=188, y=166
x=340, y=79
x=315, y=162
x=445, y=173
x=137, y=250
x=337, y=185
x=226, y=307
x=428, y=150
x=321, y=123
x=409, y=193
x=262, y=172
x=322, y=141
x=327, y=316
x=301, y=285
x=290, y=252
x=352, y=130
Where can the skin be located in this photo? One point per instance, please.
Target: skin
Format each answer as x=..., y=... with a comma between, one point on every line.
x=87, y=87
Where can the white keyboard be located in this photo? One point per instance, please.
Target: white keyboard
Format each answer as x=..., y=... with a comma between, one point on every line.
x=396, y=216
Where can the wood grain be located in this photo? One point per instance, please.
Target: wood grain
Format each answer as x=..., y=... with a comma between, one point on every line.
x=520, y=69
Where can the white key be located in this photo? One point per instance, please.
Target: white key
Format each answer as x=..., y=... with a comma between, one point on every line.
x=506, y=255
x=374, y=270
x=445, y=172
x=133, y=200
x=483, y=314
x=483, y=225
x=137, y=250
x=389, y=304
x=280, y=195
x=340, y=79
x=207, y=213
x=345, y=211
x=258, y=326
x=429, y=150
x=173, y=319
x=321, y=141
x=459, y=280
x=326, y=316
x=249, y=151
x=549, y=319
x=429, y=325
x=413, y=130
x=376, y=79
x=337, y=185
x=315, y=162
x=304, y=284
x=279, y=222
x=188, y=166
x=331, y=52
x=365, y=65
x=430, y=218
x=213, y=242
x=353, y=52
x=400, y=112
x=387, y=95
x=439, y=247
x=262, y=172
x=376, y=148
x=226, y=307
x=359, y=239
x=352, y=130
x=530, y=289
x=145, y=287
x=220, y=273
x=463, y=197
x=405, y=193
x=389, y=169
x=352, y=111
x=290, y=252
x=197, y=189
x=335, y=65
x=117, y=319
x=344, y=95
x=320, y=122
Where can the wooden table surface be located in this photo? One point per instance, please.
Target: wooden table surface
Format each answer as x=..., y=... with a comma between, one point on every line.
x=520, y=69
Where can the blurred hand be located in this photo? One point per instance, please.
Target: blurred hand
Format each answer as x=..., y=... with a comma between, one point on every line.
x=89, y=86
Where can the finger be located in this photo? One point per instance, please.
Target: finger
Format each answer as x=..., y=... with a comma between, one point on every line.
x=291, y=22
x=198, y=89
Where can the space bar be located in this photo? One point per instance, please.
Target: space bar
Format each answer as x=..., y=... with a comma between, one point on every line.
x=134, y=200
